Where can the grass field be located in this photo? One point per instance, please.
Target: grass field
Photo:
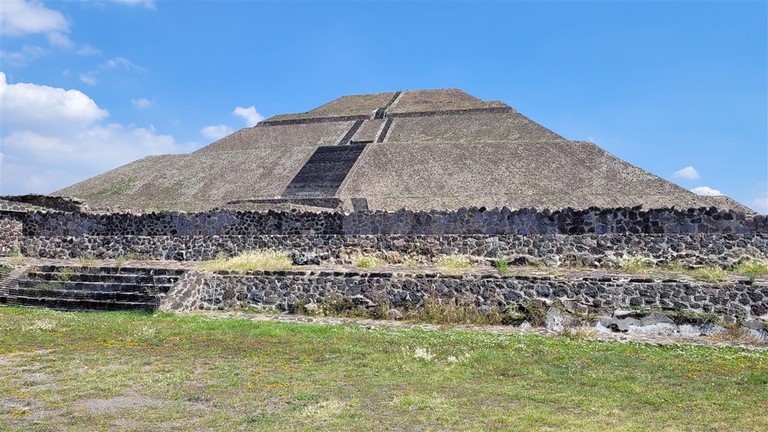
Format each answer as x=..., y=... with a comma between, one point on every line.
x=108, y=371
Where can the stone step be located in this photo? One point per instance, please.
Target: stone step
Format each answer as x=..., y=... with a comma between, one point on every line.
x=76, y=304
x=113, y=296
x=96, y=286
x=106, y=278
x=110, y=270
x=324, y=172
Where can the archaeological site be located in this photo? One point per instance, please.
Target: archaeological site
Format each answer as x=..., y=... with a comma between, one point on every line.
x=386, y=205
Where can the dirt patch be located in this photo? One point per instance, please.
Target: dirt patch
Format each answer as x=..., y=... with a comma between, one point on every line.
x=101, y=406
x=36, y=378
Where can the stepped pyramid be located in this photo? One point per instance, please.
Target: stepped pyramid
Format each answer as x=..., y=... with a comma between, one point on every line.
x=424, y=149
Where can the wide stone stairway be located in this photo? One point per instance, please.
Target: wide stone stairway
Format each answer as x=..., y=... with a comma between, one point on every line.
x=89, y=288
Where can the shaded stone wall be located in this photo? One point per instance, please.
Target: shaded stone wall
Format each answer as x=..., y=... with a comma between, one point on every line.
x=284, y=290
x=11, y=235
x=555, y=249
x=590, y=237
x=463, y=221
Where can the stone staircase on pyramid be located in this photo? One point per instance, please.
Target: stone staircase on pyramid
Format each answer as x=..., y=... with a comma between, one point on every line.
x=89, y=288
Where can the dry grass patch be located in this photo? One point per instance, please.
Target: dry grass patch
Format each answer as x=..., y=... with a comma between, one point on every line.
x=268, y=259
x=368, y=261
x=453, y=264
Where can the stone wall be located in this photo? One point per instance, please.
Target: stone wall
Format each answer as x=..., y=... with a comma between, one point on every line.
x=590, y=250
x=11, y=235
x=591, y=237
x=463, y=221
x=285, y=290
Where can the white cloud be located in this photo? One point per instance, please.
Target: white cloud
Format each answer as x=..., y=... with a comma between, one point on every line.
x=688, y=173
x=27, y=106
x=215, y=132
x=706, y=190
x=141, y=103
x=52, y=137
x=250, y=115
x=19, y=18
x=149, y=4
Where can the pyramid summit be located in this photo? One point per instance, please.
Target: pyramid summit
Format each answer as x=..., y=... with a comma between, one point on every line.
x=422, y=149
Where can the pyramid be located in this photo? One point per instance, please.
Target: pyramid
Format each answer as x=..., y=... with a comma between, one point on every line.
x=424, y=149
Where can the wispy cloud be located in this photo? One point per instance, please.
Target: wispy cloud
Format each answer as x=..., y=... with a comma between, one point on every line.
x=706, y=191
x=86, y=50
x=22, y=57
x=141, y=103
x=113, y=64
x=149, y=4
x=688, y=173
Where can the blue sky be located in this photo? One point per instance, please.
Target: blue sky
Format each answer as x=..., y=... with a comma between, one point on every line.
x=677, y=88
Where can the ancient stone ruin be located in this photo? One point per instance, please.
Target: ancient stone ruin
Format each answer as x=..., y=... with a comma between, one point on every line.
x=395, y=176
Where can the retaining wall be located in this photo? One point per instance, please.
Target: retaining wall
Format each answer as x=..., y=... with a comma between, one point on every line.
x=591, y=250
x=591, y=237
x=462, y=221
x=284, y=290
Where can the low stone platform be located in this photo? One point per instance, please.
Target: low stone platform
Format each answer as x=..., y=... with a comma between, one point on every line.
x=523, y=294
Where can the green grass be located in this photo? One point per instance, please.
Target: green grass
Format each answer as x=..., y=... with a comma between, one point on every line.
x=89, y=371
x=751, y=268
x=502, y=266
x=268, y=259
x=118, y=188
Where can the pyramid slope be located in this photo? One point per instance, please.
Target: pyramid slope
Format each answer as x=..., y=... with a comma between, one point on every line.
x=193, y=182
x=542, y=174
x=425, y=149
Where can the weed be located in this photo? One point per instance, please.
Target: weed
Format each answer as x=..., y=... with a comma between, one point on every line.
x=674, y=266
x=367, y=261
x=751, y=268
x=65, y=274
x=501, y=265
x=5, y=270
x=711, y=274
x=634, y=264
x=411, y=263
x=437, y=311
x=121, y=260
x=453, y=263
x=87, y=261
x=268, y=259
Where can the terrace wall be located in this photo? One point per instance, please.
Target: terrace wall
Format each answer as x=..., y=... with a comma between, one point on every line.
x=592, y=237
